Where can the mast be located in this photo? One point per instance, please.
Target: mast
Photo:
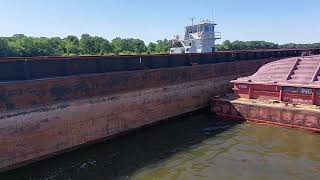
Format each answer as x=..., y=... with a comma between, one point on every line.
x=192, y=20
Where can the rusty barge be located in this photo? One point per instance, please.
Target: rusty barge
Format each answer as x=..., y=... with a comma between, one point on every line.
x=284, y=92
x=50, y=105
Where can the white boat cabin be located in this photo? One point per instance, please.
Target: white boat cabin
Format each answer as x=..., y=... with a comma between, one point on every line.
x=198, y=38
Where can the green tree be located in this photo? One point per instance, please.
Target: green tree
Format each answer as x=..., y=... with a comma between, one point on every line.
x=25, y=46
x=21, y=45
x=225, y=46
x=49, y=46
x=71, y=45
x=117, y=45
x=151, y=47
x=86, y=44
x=135, y=46
x=163, y=46
x=105, y=47
x=4, y=48
x=128, y=46
x=246, y=45
x=101, y=46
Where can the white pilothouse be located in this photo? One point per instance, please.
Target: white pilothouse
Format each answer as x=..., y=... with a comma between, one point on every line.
x=199, y=38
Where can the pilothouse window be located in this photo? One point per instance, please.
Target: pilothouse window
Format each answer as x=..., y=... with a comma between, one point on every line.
x=194, y=29
x=206, y=28
x=191, y=29
x=211, y=28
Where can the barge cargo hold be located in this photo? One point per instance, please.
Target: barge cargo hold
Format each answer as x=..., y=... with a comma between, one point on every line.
x=284, y=92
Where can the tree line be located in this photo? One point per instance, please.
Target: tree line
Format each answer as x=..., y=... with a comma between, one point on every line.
x=25, y=46
x=251, y=45
x=20, y=45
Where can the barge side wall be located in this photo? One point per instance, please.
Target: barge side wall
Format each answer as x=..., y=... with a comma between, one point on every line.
x=291, y=117
x=40, y=118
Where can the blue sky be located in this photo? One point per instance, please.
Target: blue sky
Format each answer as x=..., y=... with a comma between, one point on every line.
x=279, y=21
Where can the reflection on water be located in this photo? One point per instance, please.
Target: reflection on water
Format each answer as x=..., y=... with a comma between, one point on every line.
x=192, y=147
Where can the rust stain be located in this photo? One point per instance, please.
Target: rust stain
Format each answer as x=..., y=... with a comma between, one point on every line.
x=276, y=114
x=55, y=115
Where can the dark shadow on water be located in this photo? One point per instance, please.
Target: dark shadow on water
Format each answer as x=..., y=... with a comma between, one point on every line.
x=120, y=157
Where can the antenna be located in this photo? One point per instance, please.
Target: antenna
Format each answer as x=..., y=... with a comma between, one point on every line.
x=212, y=13
x=192, y=20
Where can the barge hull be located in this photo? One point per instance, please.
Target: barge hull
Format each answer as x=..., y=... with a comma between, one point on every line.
x=43, y=118
x=271, y=114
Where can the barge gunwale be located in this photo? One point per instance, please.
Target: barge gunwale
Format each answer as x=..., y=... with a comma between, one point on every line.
x=26, y=68
x=93, y=75
x=41, y=58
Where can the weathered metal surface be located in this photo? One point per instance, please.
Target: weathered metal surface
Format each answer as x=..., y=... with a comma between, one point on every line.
x=274, y=114
x=35, y=93
x=297, y=71
x=17, y=69
x=40, y=118
x=293, y=80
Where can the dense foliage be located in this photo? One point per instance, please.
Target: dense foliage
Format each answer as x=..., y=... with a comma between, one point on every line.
x=250, y=45
x=21, y=45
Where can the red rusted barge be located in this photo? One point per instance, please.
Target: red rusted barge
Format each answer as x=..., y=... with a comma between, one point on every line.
x=51, y=105
x=284, y=92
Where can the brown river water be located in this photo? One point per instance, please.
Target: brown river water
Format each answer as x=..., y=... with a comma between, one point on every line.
x=196, y=146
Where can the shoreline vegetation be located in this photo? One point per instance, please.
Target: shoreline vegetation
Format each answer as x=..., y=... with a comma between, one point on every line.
x=20, y=45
